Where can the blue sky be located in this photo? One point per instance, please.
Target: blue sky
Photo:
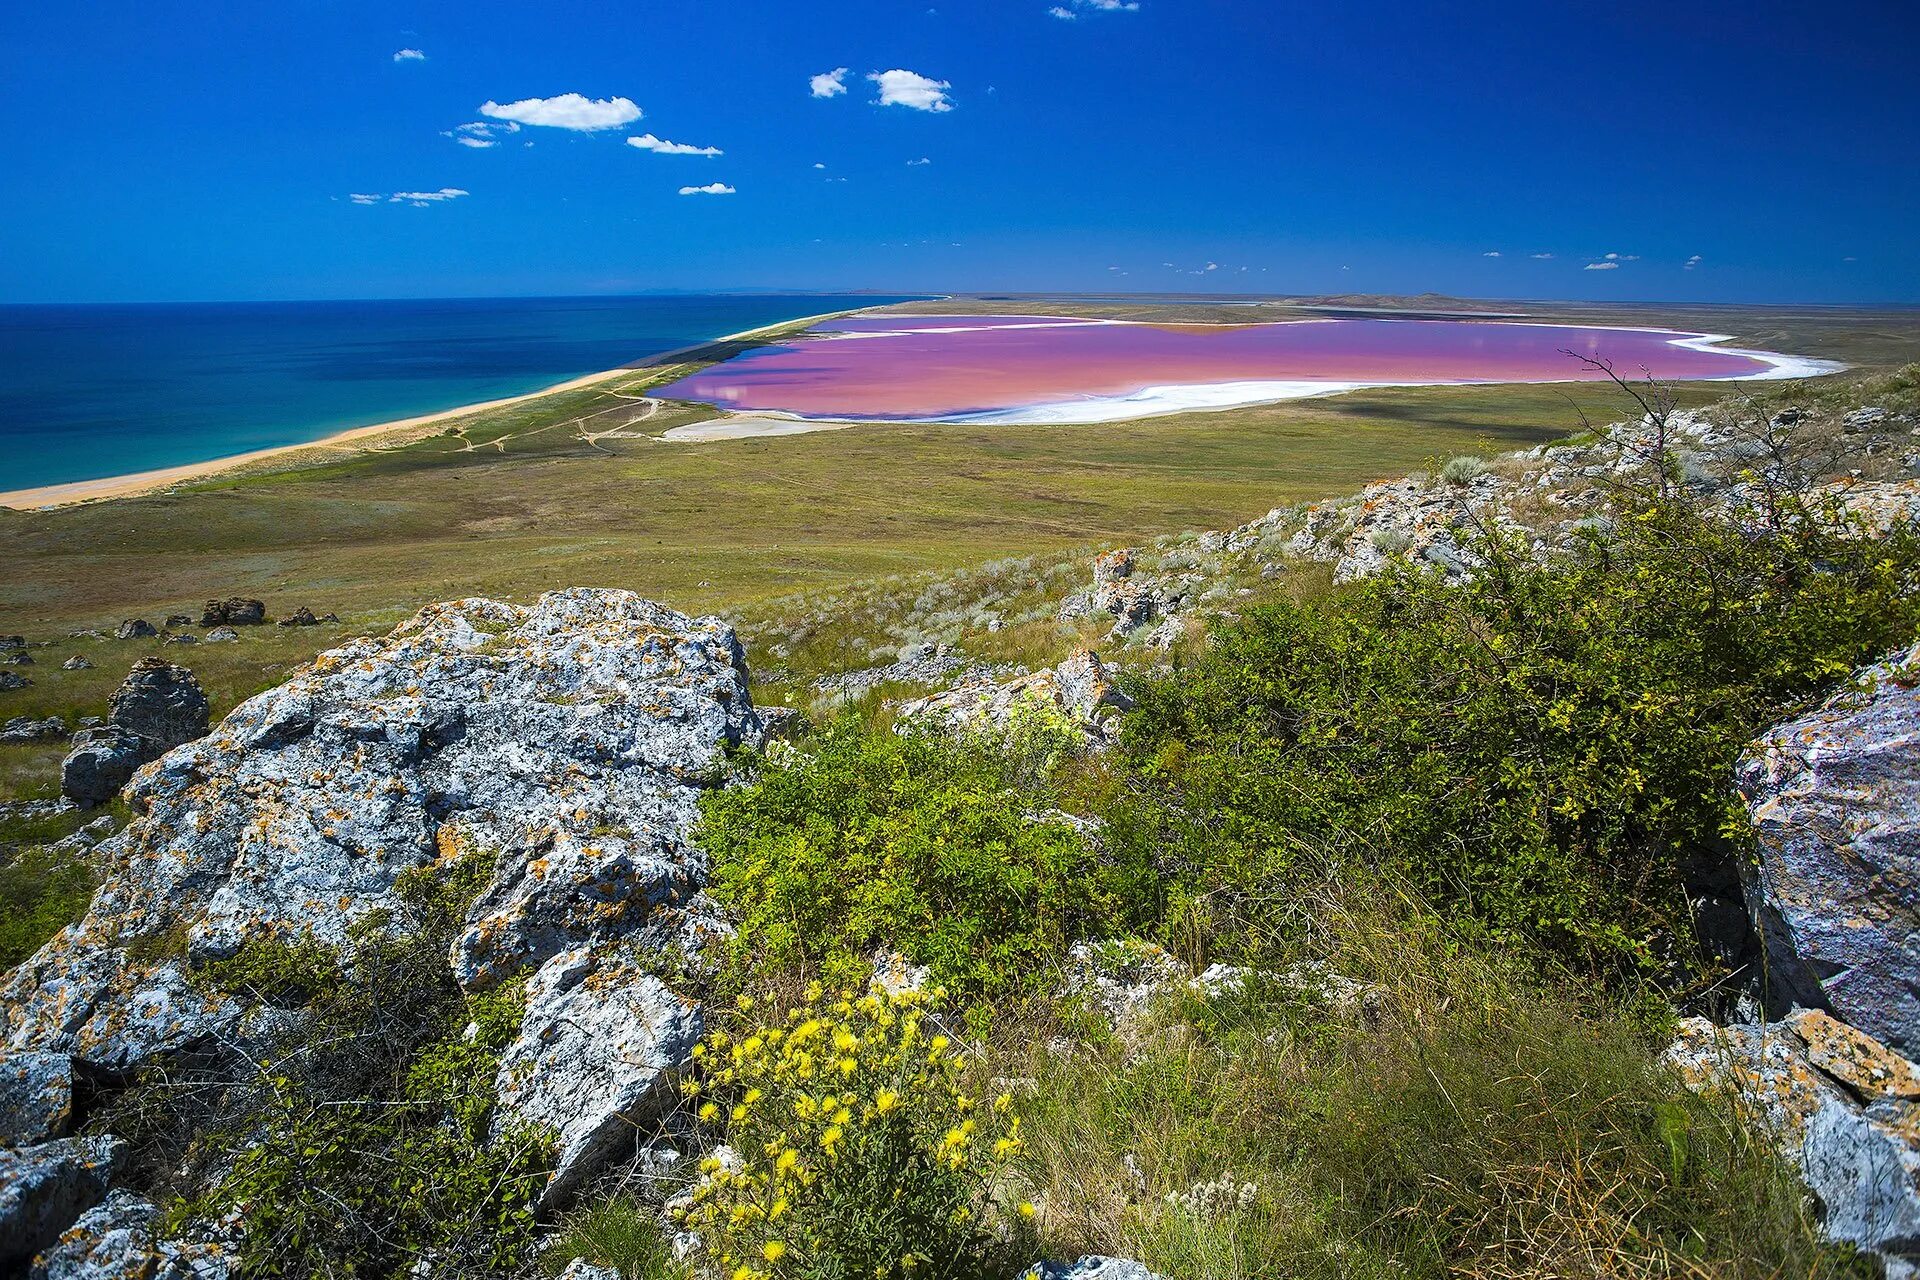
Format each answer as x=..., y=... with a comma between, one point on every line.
x=209, y=151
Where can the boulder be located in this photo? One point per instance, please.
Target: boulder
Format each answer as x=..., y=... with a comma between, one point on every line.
x=567, y=741
x=1844, y=1107
x=1834, y=894
x=221, y=635
x=77, y=663
x=10, y=680
x=101, y=763
x=234, y=612
x=15, y=658
x=301, y=617
x=593, y=1060
x=27, y=729
x=161, y=702
x=44, y=1188
x=36, y=1097
x=135, y=629
x=179, y=620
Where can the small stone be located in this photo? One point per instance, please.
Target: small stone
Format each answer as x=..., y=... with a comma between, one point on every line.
x=222, y=635
x=301, y=617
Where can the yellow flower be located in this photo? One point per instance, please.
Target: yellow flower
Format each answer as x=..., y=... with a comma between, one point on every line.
x=1005, y=1147
x=842, y=1116
x=939, y=1043
x=786, y=1160
x=1026, y=1208
x=885, y=1101
x=1002, y=1102
x=745, y=1002
x=709, y=1112
x=753, y=1096
x=830, y=1137
x=773, y=1250
x=779, y=1207
x=848, y=1066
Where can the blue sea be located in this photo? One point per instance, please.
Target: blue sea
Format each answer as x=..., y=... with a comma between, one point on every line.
x=100, y=390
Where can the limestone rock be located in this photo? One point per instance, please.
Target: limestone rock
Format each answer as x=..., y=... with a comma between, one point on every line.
x=44, y=1188
x=1842, y=1105
x=158, y=707
x=1835, y=801
x=581, y=1269
x=36, y=1097
x=77, y=663
x=135, y=629
x=1092, y=1267
x=111, y=1241
x=592, y=1063
x=234, y=612
x=1081, y=689
x=179, y=620
x=27, y=729
x=10, y=680
x=566, y=742
x=301, y=617
x=221, y=635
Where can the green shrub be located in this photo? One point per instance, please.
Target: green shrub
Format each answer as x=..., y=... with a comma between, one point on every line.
x=1535, y=750
x=916, y=842
x=1462, y=471
x=862, y=1152
x=41, y=893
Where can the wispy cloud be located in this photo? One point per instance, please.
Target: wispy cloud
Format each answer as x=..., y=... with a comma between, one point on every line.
x=1542, y=257
x=409, y=55
x=900, y=88
x=1067, y=15
x=1070, y=10
x=466, y=140
x=711, y=189
x=1622, y=257
x=818, y=165
x=418, y=199
x=1601, y=266
x=828, y=84
x=1691, y=263
x=1491, y=253
x=660, y=146
x=567, y=111
x=916, y=163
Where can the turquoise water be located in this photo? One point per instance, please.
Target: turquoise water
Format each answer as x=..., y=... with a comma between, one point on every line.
x=100, y=390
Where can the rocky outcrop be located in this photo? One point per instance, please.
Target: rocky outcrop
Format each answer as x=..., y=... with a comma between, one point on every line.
x=26, y=729
x=44, y=1188
x=1843, y=1106
x=36, y=1097
x=1092, y=1267
x=236, y=611
x=1835, y=891
x=566, y=743
x=1080, y=689
x=158, y=707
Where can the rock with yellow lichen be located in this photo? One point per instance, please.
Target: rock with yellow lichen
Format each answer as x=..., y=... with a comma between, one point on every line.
x=1844, y=1107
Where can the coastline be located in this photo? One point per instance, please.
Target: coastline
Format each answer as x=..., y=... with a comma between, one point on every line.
x=136, y=483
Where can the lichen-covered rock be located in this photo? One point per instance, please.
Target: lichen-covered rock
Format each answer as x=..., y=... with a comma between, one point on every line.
x=111, y=1241
x=1092, y=1267
x=77, y=663
x=11, y=680
x=581, y=1269
x=102, y=761
x=565, y=742
x=235, y=612
x=135, y=629
x=36, y=1097
x=1080, y=689
x=27, y=729
x=1835, y=894
x=1843, y=1106
x=593, y=1060
x=44, y=1188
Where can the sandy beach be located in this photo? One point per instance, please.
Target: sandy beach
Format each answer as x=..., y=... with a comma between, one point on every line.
x=354, y=439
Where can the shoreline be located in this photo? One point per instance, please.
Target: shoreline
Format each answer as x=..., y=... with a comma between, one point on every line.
x=132, y=484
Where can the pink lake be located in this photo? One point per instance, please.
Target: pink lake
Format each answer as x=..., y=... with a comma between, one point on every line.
x=1016, y=368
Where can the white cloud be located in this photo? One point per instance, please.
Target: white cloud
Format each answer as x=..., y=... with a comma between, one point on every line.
x=1491, y=253
x=1543, y=257
x=1110, y=6
x=647, y=142
x=711, y=189
x=360, y=198
x=487, y=128
x=828, y=84
x=409, y=55
x=466, y=141
x=1691, y=263
x=1211, y=266
x=1601, y=266
x=418, y=199
x=1065, y=15
x=818, y=165
x=568, y=111
x=916, y=163
x=907, y=89
x=1849, y=259
x=1623, y=257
